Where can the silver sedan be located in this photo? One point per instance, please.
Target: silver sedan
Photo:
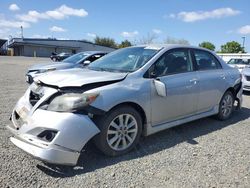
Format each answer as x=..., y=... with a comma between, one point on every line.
x=128, y=93
x=77, y=60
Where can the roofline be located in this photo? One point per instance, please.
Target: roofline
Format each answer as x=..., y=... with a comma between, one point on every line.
x=44, y=39
x=34, y=44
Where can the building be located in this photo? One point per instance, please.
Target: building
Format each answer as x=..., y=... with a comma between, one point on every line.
x=3, y=47
x=227, y=57
x=44, y=47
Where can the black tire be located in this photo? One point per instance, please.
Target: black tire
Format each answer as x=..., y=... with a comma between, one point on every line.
x=104, y=124
x=54, y=59
x=222, y=116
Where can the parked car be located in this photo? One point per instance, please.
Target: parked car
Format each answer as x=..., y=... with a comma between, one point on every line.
x=239, y=63
x=78, y=60
x=60, y=56
x=246, y=79
x=118, y=98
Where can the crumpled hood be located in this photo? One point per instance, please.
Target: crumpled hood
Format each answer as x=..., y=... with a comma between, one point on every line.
x=78, y=77
x=57, y=65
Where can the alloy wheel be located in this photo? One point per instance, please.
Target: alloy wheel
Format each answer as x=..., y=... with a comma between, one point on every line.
x=227, y=105
x=122, y=132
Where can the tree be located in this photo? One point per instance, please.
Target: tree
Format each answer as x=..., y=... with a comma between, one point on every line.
x=171, y=40
x=232, y=47
x=207, y=45
x=105, y=41
x=125, y=44
x=148, y=39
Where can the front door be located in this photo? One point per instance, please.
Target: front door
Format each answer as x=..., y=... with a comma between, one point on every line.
x=175, y=70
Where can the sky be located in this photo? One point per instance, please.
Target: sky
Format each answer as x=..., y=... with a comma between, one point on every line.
x=216, y=21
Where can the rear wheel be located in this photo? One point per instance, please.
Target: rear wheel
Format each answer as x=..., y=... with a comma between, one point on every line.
x=120, y=131
x=226, y=106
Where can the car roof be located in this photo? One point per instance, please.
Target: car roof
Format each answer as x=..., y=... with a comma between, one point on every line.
x=170, y=46
x=93, y=52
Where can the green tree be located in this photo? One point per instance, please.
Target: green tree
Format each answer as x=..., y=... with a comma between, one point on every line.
x=207, y=45
x=105, y=41
x=231, y=47
x=125, y=44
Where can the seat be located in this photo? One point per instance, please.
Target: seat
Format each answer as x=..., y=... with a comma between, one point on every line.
x=204, y=64
x=179, y=64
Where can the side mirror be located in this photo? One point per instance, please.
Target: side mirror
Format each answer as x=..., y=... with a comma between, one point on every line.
x=87, y=62
x=160, y=88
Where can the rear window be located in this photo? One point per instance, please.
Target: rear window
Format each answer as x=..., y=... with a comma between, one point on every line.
x=206, y=61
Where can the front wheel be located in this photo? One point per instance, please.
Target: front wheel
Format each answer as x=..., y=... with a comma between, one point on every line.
x=226, y=106
x=120, y=131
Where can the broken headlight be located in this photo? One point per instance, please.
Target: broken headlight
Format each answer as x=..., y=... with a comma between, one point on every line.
x=71, y=102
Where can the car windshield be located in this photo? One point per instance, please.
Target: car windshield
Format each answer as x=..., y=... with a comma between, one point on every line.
x=239, y=61
x=124, y=60
x=75, y=58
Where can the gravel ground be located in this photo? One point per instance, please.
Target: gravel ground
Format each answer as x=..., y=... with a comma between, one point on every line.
x=203, y=153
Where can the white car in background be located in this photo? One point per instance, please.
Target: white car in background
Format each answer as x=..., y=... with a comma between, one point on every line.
x=239, y=63
x=246, y=79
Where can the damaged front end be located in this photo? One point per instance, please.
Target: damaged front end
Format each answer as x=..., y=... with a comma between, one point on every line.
x=54, y=124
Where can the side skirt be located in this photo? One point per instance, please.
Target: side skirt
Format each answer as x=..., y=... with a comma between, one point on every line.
x=160, y=127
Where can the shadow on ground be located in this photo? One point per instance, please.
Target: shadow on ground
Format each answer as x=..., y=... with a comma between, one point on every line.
x=92, y=159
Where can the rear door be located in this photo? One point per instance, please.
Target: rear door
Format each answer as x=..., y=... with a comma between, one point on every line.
x=212, y=80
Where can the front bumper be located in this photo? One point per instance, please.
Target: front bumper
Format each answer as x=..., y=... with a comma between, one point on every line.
x=246, y=85
x=55, y=156
x=73, y=131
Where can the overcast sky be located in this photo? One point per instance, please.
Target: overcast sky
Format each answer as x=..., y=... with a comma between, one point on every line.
x=194, y=20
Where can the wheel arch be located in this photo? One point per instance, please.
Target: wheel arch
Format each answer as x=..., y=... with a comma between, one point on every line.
x=235, y=89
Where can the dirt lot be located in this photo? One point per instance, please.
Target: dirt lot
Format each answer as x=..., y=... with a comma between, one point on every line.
x=204, y=153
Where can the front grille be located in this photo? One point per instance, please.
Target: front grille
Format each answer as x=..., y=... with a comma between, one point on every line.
x=247, y=78
x=34, y=98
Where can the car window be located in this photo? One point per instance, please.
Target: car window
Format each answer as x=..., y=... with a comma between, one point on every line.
x=205, y=60
x=94, y=57
x=173, y=62
x=239, y=61
x=75, y=58
x=125, y=59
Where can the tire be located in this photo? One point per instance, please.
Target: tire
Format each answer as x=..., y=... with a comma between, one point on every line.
x=117, y=135
x=54, y=59
x=226, y=106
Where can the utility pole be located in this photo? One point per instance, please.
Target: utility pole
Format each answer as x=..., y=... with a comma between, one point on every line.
x=21, y=31
x=243, y=43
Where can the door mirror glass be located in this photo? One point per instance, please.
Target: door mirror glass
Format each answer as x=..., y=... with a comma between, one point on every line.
x=160, y=88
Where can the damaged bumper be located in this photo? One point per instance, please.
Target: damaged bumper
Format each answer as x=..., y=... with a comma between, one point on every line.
x=53, y=137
